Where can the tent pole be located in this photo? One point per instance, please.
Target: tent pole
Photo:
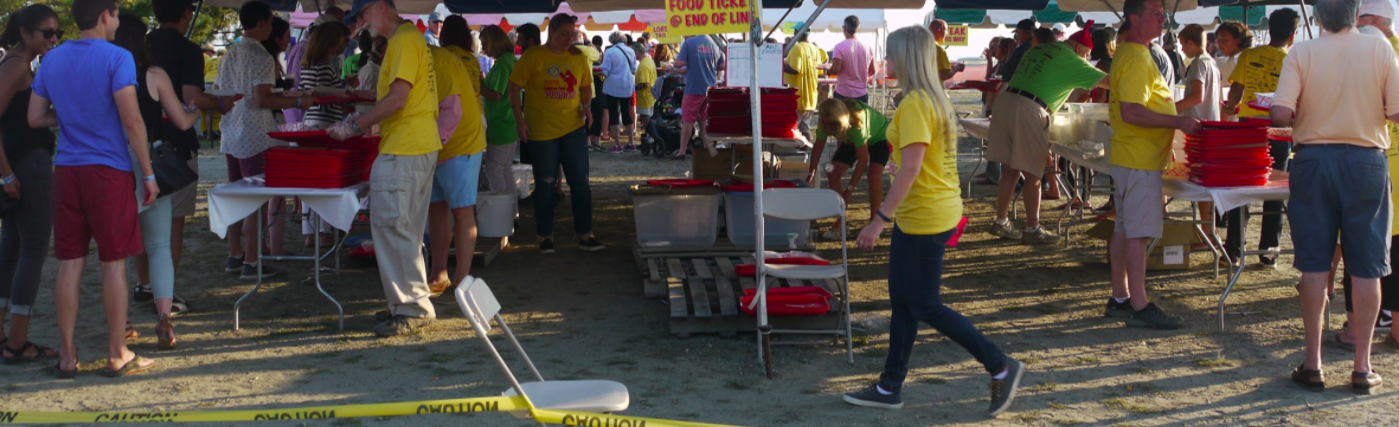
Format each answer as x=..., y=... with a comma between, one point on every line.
x=1119, y=14
x=198, y=7
x=755, y=97
x=806, y=26
x=776, y=26
x=1302, y=5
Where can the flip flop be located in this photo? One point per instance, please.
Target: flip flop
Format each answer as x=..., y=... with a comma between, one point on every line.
x=62, y=374
x=19, y=357
x=131, y=367
x=1335, y=342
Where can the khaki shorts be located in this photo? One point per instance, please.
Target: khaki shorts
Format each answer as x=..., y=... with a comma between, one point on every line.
x=1019, y=136
x=182, y=202
x=1138, y=199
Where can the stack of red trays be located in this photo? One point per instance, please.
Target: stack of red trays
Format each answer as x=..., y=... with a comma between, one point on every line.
x=319, y=161
x=730, y=112
x=779, y=113
x=1229, y=154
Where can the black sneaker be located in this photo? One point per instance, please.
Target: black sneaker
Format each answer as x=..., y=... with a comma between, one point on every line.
x=1385, y=320
x=872, y=398
x=591, y=245
x=1003, y=390
x=1152, y=317
x=401, y=325
x=1266, y=261
x=141, y=294
x=546, y=246
x=233, y=265
x=1118, y=309
x=250, y=271
x=382, y=316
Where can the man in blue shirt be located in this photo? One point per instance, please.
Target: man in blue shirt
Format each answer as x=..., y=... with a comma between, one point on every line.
x=434, y=29
x=91, y=85
x=700, y=59
x=619, y=68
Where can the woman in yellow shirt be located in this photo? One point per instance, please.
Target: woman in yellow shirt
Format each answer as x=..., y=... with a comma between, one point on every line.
x=926, y=200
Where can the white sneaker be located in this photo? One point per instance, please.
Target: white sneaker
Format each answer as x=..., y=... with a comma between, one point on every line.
x=1005, y=231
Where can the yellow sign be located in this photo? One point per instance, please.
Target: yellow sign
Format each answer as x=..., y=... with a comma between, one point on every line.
x=699, y=17
x=957, y=35
x=663, y=35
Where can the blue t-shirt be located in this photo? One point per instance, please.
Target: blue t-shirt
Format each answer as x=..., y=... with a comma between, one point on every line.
x=702, y=62
x=79, y=77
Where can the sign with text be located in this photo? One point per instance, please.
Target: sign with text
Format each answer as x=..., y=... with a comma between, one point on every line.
x=662, y=34
x=697, y=17
x=957, y=35
x=739, y=68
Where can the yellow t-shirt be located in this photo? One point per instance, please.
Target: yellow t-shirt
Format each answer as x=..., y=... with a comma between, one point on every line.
x=1393, y=154
x=411, y=131
x=454, y=79
x=934, y=204
x=211, y=68
x=1258, y=69
x=943, y=62
x=1135, y=79
x=804, y=58
x=594, y=57
x=473, y=66
x=646, y=74
x=554, y=85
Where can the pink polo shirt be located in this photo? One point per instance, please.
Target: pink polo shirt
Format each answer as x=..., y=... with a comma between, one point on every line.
x=855, y=60
x=1342, y=85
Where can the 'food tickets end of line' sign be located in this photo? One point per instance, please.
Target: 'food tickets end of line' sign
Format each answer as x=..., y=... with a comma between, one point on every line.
x=696, y=17
x=957, y=35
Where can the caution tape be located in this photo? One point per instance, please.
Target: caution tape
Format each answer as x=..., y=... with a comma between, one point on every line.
x=478, y=404
x=588, y=419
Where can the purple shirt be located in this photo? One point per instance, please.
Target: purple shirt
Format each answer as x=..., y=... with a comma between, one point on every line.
x=855, y=60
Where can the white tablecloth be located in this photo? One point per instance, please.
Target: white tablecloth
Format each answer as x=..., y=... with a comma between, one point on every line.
x=1224, y=198
x=1078, y=157
x=231, y=202
x=978, y=127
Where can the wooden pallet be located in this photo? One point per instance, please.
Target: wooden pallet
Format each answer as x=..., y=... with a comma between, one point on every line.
x=704, y=297
x=651, y=261
x=487, y=248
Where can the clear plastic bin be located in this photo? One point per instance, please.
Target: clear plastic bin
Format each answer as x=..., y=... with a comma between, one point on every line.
x=523, y=176
x=738, y=216
x=676, y=217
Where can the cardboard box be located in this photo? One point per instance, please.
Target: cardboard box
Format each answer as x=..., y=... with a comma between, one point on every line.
x=743, y=166
x=712, y=168
x=1172, y=251
x=793, y=170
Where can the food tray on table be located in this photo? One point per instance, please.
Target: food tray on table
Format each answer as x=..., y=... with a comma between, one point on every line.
x=319, y=138
x=1229, y=182
x=1246, y=123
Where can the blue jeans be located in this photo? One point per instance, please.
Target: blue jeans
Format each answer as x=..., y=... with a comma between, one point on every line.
x=155, y=235
x=915, y=291
x=25, y=233
x=570, y=151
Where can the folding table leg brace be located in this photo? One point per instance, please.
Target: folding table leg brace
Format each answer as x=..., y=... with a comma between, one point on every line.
x=1237, y=269
x=315, y=257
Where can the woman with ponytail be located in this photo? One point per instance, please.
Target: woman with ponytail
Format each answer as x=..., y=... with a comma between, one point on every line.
x=927, y=202
x=26, y=170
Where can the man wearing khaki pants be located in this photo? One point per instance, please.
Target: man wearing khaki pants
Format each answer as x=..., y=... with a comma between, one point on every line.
x=401, y=182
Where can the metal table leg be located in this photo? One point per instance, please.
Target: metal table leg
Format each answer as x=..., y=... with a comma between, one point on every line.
x=315, y=257
x=256, y=286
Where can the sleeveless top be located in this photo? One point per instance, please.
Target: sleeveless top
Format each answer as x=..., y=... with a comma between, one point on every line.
x=151, y=112
x=19, y=138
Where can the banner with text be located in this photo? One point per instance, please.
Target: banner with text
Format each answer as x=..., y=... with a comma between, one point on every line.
x=697, y=17
x=957, y=35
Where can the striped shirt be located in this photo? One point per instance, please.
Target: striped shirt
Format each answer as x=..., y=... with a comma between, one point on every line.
x=321, y=75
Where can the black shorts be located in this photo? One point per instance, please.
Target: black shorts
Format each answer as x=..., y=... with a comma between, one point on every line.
x=879, y=153
x=597, y=108
x=618, y=110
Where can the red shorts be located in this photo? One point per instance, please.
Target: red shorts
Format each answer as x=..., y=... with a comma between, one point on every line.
x=94, y=202
x=693, y=107
x=245, y=168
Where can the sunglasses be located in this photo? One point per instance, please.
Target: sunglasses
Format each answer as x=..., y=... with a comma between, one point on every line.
x=50, y=34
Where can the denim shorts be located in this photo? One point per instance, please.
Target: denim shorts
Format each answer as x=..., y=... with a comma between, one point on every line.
x=456, y=179
x=1340, y=191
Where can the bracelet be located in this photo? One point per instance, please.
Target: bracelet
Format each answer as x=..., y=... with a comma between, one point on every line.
x=882, y=216
x=7, y=180
x=149, y=178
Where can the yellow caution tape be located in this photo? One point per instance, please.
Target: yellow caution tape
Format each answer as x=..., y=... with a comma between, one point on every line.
x=587, y=419
x=479, y=404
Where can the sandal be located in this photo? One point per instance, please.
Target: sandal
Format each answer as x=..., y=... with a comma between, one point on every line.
x=131, y=332
x=18, y=354
x=131, y=367
x=1310, y=380
x=165, y=334
x=1335, y=342
x=62, y=374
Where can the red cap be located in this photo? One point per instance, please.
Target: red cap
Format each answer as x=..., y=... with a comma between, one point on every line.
x=1083, y=37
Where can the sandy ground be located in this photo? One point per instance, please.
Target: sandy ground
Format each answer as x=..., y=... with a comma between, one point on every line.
x=583, y=316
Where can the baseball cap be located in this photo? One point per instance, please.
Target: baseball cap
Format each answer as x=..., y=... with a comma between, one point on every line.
x=435, y=17
x=1025, y=24
x=1380, y=8
x=1058, y=28
x=359, y=5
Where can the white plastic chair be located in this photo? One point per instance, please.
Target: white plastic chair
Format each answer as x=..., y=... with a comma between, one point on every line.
x=598, y=396
x=806, y=204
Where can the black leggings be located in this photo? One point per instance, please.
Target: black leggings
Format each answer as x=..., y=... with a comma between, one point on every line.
x=1389, y=285
x=24, y=232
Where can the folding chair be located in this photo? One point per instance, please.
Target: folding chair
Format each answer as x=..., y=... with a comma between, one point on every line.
x=805, y=204
x=598, y=396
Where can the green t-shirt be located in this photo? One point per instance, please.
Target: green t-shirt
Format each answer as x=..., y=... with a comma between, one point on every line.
x=500, y=121
x=351, y=67
x=1052, y=71
x=873, y=129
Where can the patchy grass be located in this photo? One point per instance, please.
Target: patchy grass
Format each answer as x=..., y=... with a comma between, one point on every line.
x=1067, y=422
x=1031, y=360
x=1042, y=387
x=287, y=332
x=735, y=385
x=621, y=362
x=1028, y=417
x=1143, y=371
x=1133, y=407
x=1218, y=361
x=876, y=351
x=354, y=358
x=1085, y=360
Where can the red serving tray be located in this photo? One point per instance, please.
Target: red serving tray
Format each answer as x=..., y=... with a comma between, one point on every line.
x=751, y=270
x=792, y=290
x=681, y=182
x=1230, y=133
x=1229, y=182
x=1247, y=123
x=319, y=138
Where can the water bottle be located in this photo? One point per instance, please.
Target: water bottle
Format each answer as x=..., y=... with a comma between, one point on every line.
x=828, y=167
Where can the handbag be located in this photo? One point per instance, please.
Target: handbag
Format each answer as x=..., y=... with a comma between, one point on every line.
x=172, y=171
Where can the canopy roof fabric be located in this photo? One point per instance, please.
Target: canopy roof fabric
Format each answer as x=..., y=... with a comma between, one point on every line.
x=550, y=6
